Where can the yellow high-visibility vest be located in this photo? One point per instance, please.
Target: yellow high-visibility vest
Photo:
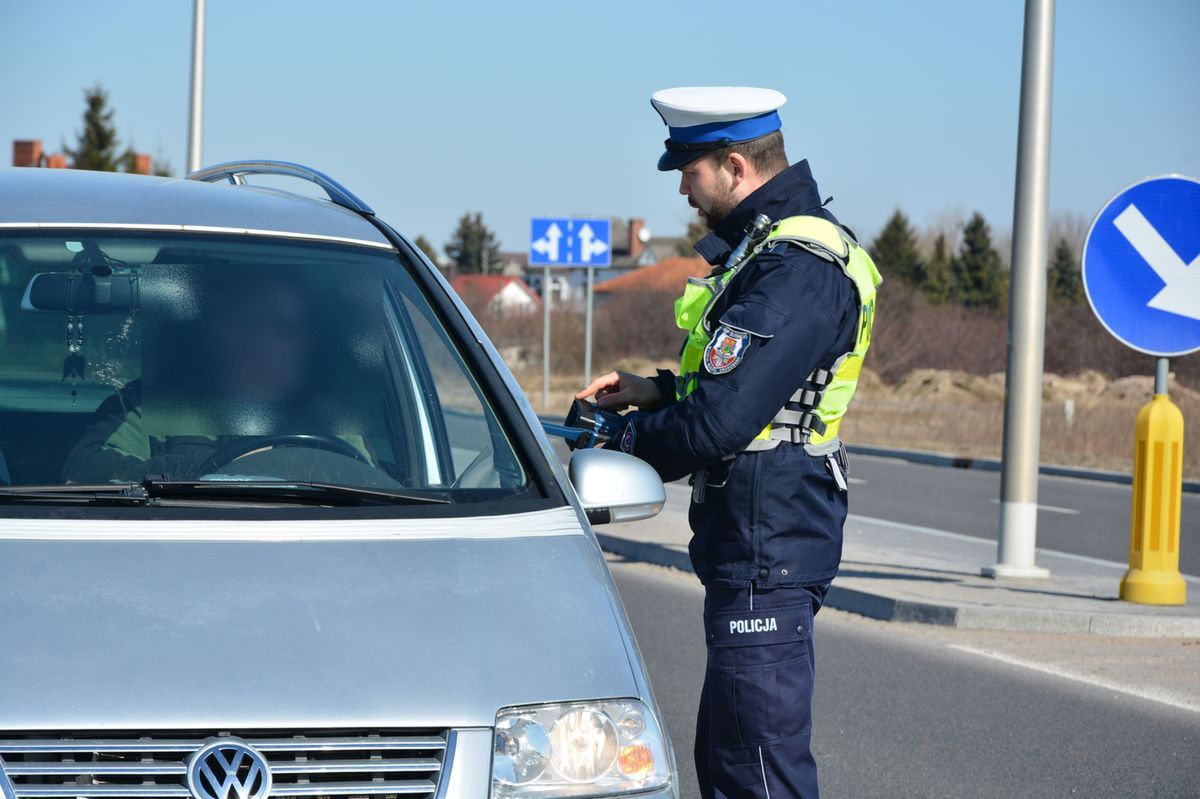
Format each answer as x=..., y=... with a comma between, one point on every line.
x=814, y=413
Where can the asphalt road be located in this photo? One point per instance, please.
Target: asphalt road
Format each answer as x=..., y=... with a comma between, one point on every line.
x=900, y=713
x=1083, y=517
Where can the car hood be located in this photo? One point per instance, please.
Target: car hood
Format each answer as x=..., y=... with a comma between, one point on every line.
x=412, y=624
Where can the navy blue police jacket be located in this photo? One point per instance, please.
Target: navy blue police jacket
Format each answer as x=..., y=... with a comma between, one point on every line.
x=772, y=518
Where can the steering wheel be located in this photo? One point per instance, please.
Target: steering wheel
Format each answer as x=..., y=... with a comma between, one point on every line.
x=240, y=449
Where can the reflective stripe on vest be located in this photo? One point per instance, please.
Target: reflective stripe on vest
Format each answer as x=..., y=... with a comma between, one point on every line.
x=814, y=413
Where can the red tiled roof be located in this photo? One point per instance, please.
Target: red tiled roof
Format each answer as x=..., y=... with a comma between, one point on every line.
x=670, y=274
x=487, y=286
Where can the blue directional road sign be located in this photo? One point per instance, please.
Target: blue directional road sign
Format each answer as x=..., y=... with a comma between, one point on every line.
x=570, y=242
x=1141, y=266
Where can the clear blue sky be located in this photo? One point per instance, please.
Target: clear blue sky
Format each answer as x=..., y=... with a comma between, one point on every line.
x=523, y=109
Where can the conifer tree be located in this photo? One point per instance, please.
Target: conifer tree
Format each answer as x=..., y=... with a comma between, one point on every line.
x=426, y=246
x=473, y=247
x=1065, y=284
x=895, y=251
x=938, y=284
x=96, y=146
x=978, y=279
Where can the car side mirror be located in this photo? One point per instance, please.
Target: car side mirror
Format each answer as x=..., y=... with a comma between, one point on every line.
x=615, y=487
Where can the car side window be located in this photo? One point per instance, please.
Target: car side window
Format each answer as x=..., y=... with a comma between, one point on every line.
x=476, y=451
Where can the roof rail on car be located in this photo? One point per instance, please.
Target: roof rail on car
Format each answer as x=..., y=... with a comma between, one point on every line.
x=235, y=172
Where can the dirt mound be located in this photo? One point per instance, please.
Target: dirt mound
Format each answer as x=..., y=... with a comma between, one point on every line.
x=1085, y=389
x=1140, y=388
x=871, y=385
x=1082, y=387
x=1131, y=388
x=946, y=385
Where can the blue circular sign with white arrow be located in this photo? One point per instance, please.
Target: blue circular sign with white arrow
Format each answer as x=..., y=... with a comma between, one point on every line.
x=1141, y=266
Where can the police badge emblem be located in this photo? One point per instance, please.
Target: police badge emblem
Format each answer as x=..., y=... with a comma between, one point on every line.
x=726, y=350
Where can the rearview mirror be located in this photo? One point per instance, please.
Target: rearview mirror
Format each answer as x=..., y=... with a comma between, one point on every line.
x=615, y=487
x=79, y=293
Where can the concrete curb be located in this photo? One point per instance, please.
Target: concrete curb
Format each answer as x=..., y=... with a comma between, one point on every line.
x=993, y=465
x=965, y=617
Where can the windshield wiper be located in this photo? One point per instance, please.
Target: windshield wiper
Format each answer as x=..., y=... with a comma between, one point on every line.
x=290, y=490
x=97, y=494
x=152, y=489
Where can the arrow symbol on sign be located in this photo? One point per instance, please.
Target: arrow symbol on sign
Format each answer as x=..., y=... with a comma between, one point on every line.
x=548, y=244
x=590, y=245
x=1181, y=294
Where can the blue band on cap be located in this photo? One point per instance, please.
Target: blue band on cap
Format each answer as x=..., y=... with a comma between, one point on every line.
x=737, y=130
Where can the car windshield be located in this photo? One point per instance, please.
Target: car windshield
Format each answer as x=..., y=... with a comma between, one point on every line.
x=235, y=359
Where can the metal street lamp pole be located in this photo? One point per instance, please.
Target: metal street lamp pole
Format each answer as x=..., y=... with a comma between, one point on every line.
x=196, y=106
x=587, y=325
x=1027, y=305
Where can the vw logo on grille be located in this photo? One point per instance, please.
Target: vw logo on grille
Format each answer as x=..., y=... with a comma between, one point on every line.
x=228, y=769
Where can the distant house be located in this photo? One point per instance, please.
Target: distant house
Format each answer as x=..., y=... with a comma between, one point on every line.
x=499, y=294
x=28, y=152
x=512, y=263
x=664, y=247
x=669, y=275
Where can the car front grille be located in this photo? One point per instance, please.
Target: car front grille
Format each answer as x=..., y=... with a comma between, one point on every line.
x=339, y=764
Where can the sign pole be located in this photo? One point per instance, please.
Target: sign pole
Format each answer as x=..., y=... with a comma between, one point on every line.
x=574, y=243
x=1027, y=305
x=546, y=290
x=587, y=332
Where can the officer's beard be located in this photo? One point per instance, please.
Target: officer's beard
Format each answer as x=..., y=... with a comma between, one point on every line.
x=720, y=208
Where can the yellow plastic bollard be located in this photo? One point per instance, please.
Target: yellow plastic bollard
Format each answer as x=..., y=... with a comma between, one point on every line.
x=1153, y=577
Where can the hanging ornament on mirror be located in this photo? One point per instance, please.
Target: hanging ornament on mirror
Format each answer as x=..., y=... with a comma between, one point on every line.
x=74, y=364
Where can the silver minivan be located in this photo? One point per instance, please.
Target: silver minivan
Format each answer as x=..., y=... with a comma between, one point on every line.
x=275, y=519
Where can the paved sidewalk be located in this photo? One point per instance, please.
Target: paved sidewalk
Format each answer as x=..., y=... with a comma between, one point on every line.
x=898, y=572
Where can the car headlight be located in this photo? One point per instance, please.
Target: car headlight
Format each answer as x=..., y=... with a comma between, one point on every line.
x=578, y=749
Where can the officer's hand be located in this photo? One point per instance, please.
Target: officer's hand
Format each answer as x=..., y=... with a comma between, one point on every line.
x=616, y=391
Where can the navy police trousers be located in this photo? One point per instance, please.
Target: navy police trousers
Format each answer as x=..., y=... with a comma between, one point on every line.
x=755, y=721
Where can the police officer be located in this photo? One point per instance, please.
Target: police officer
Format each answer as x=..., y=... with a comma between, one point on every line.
x=775, y=341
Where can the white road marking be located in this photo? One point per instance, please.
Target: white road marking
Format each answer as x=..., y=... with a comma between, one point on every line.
x=916, y=528
x=1049, y=508
x=1151, y=694
x=857, y=481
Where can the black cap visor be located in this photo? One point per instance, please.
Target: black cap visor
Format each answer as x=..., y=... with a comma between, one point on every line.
x=679, y=155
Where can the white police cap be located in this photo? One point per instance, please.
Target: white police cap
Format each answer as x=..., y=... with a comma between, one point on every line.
x=702, y=118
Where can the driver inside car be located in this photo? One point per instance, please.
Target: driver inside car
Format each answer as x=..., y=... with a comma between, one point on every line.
x=244, y=372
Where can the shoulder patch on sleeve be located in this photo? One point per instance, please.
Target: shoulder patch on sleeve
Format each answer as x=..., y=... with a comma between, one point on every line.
x=726, y=350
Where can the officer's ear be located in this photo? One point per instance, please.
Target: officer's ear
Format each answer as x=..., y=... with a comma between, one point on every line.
x=738, y=167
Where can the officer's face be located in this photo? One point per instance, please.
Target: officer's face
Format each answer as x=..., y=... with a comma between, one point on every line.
x=709, y=189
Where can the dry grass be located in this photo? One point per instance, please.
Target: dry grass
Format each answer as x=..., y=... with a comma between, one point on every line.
x=1087, y=419
x=1099, y=437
